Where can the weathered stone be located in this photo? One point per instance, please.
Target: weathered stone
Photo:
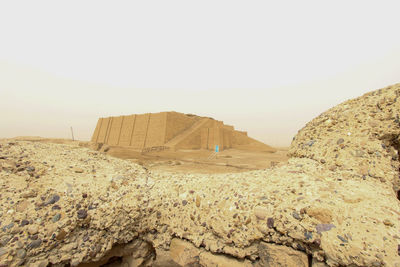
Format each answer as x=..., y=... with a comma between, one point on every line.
x=322, y=214
x=21, y=253
x=35, y=244
x=163, y=259
x=261, y=212
x=183, y=252
x=56, y=217
x=280, y=256
x=53, y=199
x=82, y=214
x=316, y=263
x=33, y=229
x=210, y=259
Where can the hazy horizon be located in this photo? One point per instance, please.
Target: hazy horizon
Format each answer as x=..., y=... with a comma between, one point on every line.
x=266, y=68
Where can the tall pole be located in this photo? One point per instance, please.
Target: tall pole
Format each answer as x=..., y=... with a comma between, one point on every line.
x=72, y=132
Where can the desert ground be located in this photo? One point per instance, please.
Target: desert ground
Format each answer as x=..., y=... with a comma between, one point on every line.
x=331, y=199
x=184, y=160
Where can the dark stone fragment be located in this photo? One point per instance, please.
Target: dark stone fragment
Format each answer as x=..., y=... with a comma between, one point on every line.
x=270, y=222
x=56, y=217
x=340, y=141
x=24, y=222
x=7, y=227
x=308, y=235
x=82, y=214
x=296, y=215
x=78, y=206
x=84, y=195
x=4, y=240
x=342, y=239
x=184, y=202
x=398, y=249
x=300, y=247
x=34, y=237
x=30, y=169
x=56, y=207
x=85, y=238
x=317, y=242
x=53, y=199
x=310, y=143
x=35, y=244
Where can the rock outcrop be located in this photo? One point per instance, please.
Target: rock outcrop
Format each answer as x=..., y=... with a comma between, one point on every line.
x=333, y=204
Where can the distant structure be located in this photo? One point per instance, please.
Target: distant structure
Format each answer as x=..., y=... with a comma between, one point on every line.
x=172, y=130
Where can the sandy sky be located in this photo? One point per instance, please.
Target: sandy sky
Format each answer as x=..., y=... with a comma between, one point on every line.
x=266, y=67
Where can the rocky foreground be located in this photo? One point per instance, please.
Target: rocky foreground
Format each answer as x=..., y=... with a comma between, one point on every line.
x=333, y=204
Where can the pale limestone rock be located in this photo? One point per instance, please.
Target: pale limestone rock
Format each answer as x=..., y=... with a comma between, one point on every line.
x=212, y=260
x=183, y=252
x=280, y=256
x=163, y=259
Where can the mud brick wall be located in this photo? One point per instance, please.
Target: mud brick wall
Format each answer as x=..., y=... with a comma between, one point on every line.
x=227, y=140
x=204, y=138
x=97, y=130
x=156, y=130
x=140, y=131
x=105, y=123
x=192, y=142
x=229, y=127
x=177, y=123
x=115, y=130
x=240, y=138
x=128, y=125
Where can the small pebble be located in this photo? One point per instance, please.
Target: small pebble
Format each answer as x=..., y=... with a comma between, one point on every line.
x=54, y=198
x=3, y=251
x=24, y=222
x=308, y=235
x=270, y=222
x=30, y=169
x=342, y=239
x=21, y=253
x=82, y=214
x=296, y=215
x=56, y=217
x=35, y=244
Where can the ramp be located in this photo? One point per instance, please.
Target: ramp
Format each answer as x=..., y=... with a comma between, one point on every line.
x=174, y=143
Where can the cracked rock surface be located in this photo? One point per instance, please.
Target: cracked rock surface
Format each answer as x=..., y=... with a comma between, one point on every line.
x=333, y=204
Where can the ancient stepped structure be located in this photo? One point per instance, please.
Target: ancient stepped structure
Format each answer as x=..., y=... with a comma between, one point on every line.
x=171, y=130
x=335, y=203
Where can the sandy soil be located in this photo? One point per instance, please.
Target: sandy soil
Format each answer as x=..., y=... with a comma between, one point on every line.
x=186, y=161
